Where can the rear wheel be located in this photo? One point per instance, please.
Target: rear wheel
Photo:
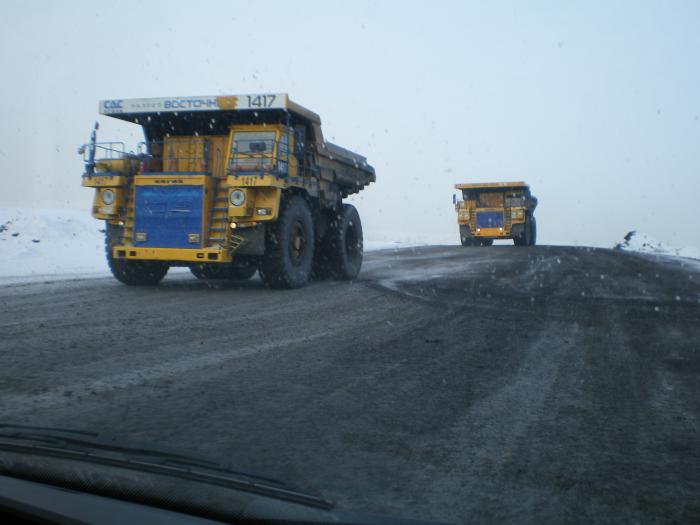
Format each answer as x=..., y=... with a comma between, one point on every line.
x=134, y=273
x=533, y=232
x=231, y=272
x=529, y=235
x=485, y=242
x=242, y=271
x=207, y=271
x=343, y=246
x=289, y=246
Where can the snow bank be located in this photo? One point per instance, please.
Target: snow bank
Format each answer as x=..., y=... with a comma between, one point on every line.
x=641, y=243
x=370, y=246
x=49, y=241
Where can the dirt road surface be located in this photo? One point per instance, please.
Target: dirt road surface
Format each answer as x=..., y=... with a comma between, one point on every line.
x=448, y=383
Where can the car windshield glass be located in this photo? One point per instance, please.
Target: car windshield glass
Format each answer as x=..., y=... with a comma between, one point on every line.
x=425, y=260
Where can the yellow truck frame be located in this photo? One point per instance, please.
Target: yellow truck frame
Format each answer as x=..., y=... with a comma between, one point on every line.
x=496, y=210
x=226, y=185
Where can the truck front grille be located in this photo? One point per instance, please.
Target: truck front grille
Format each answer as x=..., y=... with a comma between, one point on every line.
x=168, y=216
x=489, y=219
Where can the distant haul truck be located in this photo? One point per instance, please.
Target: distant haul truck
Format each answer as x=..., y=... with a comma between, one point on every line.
x=497, y=210
x=226, y=185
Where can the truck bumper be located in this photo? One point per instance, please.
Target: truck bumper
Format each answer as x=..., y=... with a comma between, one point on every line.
x=492, y=233
x=486, y=233
x=185, y=255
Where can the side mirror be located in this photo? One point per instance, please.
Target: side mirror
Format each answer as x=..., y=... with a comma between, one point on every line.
x=454, y=199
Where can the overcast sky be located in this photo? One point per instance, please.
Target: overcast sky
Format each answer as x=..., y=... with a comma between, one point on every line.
x=595, y=104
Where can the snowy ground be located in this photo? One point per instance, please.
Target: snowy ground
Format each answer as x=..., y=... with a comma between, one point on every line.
x=38, y=243
x=639, y=242
x=43, y=242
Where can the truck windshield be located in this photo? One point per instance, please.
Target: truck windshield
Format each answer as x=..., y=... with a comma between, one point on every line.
x=253, y=142
x=252, y=150
x=489, y=200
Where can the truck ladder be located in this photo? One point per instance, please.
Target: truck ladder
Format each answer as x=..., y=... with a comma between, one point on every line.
x=219, y=234
x=218, y=227
x=236, y=242
x=128, y=238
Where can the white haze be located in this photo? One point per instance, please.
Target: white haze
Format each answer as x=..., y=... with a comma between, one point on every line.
x=595, y=104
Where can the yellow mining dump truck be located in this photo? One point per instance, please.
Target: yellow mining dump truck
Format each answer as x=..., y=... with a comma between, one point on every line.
x=226, y=185
x=497, y=210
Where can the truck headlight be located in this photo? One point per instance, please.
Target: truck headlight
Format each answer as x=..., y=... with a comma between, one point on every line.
x=237, y=197
x=108, y=196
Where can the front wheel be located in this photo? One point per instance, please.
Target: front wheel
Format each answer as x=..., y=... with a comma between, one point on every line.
x=133, y=273
x=289, y=246
x=465, y=235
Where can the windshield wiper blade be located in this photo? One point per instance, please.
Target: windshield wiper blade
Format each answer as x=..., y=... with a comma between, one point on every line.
x=91, y=440
x=86, y=447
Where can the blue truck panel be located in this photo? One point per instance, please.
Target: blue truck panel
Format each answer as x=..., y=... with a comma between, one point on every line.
x=167, y=215
x=489, y=219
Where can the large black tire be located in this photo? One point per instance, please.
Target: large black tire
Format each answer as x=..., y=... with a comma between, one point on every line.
x=465, y=236
x=242, y=271
x=467, y=241
x=529, y=235
x=533, y=232
x=289, y=246
x=476, y=241
x=208, y=271
x=343, y=245
x=231, y=272
x=133, y=273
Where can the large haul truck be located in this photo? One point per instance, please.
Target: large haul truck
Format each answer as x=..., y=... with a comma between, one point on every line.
x=226, y=185
x=496, y=210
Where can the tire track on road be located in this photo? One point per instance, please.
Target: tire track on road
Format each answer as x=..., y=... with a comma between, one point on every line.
x=192, y=360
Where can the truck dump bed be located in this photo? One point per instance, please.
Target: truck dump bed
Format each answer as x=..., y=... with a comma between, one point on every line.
x=485, y=186
x=355, y=173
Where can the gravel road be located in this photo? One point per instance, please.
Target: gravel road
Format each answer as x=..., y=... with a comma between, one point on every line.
x=459, y=384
